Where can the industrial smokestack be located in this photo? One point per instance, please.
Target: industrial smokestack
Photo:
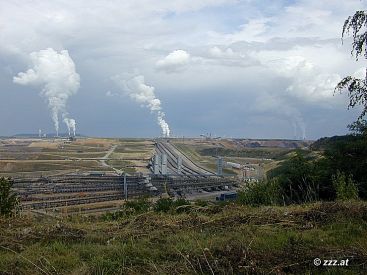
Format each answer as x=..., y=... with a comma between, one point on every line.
x=55, y=73
x=71, y=125
x=66, y=120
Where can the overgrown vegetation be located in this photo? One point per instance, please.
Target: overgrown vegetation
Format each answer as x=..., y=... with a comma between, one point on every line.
x=8, y=199
x=209, y=239
x=339, y=173
x=270, y=153
x=345, y=187
x=142, y=205
x=261, y=193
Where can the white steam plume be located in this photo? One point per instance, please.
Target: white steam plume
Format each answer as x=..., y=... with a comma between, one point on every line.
x=298, y=120
x=144, y=94
x=73, y=126
x=163, y=124
x=56, y=73
x=66, y=120
x=279, y=107
x=70, y=124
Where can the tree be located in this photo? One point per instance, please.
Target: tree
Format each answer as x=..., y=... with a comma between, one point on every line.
x=359, y=127
x=357, y=88
x=8, y=199
x=344, y=186
x=296, y=179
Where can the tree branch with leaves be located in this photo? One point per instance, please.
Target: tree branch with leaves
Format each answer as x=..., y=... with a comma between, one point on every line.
x=357, y=88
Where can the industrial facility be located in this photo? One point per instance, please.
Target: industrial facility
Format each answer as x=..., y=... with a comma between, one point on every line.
x=170, y=173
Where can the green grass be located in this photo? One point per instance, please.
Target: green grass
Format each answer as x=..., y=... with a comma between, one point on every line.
x=267, y=153
x=227, y=239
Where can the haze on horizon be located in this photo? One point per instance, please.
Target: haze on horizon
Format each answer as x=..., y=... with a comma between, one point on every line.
x=256, y=69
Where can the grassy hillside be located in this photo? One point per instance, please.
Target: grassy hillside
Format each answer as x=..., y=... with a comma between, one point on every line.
x=273, y=153
x=209, y=239
x=328, y=142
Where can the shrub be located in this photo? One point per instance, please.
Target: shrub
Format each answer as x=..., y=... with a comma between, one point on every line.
x=139, y=205
x=166, y=205
x=179, y=205
x=261, y=193
x=131, y=207
x=8, y=199
x=298, y=179
x=202, y=203
x=345, y=188
x=163, y=205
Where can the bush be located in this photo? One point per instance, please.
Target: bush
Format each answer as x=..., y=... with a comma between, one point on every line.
x=202, y=203
x=139, y=205
x=298, y=179
x=131, y=207
x=8, y=199
x=179, y=205
x=143, y=205
x=345, y=187
x=166, y=205
x=163, y=205
x=262, y=193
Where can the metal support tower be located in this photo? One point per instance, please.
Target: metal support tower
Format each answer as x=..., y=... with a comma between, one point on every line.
x=219, y=166
x=179, y=165
x=156, y=164
x=125, y=187
x=164, y=164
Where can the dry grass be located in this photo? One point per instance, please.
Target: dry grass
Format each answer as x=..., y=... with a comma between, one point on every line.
x=212, y=239
x=45, y=144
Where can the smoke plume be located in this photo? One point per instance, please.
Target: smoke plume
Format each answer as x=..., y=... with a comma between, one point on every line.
x=70, y=124
x=298, y=123
x=279, y=107
x=55, y=72
x=144, y=94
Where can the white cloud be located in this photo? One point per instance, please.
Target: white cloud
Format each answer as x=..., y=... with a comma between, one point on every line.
x=229, y=57
x=290, y=49
x=306, y=81
x=174, y=62
x=314, y=87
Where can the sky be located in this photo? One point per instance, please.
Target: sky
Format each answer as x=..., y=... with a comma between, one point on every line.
x=142, y=68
